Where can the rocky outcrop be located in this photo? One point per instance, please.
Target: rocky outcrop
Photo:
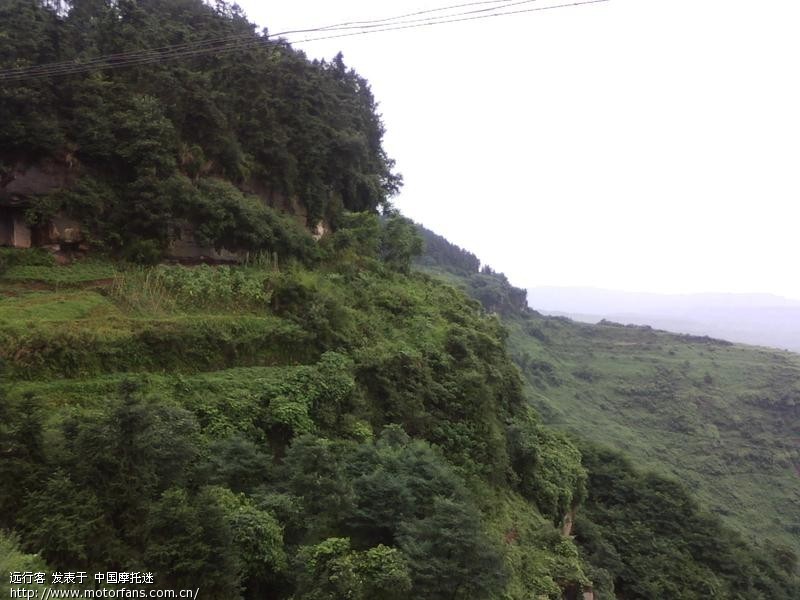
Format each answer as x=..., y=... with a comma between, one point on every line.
x=14, y=231
x=567, y=523
x=292, y=204
x=18, y=185
x=23, y=181
x=184, y=248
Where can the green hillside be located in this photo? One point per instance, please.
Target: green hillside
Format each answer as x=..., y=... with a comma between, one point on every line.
x=721, y=418
x=317, y=420
x=348, y=430
x=215, y=141
x=339, y=431
x=724, y=419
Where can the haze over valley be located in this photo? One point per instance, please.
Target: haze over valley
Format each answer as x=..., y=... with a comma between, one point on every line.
x=757, y=319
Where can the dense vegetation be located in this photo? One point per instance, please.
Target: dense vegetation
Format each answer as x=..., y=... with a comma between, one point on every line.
x=350, y=430
x=322, y=421
x=648, y=535
x=721, y=418
x=711, y=427
x=158, y=145
x=344, y=431
x=462, y=268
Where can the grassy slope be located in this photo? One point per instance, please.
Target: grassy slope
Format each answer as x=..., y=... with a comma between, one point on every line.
x=722, y=418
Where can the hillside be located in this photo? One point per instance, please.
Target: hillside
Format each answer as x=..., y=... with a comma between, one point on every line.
x=315, y=419
x=212, y=149
x=722, y=418
x=293, y=432
x=347, y=430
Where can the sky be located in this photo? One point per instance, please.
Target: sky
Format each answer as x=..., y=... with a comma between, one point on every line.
x=638, y=145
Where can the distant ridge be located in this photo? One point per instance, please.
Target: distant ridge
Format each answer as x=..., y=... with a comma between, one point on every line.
x=758, y=319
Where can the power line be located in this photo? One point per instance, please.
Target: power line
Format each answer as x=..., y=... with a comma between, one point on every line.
x=202, y=47
x=198, y=44
x=404, y=20
x=133, y=59
x=123, y=58
x=183, y=51
x=416, y=14
x=246, y=41
x=441, y=22
x=223, y=44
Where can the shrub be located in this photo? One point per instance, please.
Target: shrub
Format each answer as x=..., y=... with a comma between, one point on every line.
x=165, y=288
x=14, y=257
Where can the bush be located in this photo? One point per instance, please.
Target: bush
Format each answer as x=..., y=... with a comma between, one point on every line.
x=224, y=217
x=175, y=344
x=14, y=257
x=548, y=467
x=165, y=288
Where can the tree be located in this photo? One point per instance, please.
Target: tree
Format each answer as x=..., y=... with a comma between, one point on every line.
x=330, y=570
x=66, y=523
x=312, y=470
x=305, y=133
x=257, y=539
x=547, y=465
x=191, y=544
x=14, y=559
x=396, y=480
x=450, y=557
x=400, y=242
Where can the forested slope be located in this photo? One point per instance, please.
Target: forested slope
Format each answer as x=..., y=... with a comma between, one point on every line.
x=318, y=422
x=720, y=419
x=346, y=430
x=151, y=146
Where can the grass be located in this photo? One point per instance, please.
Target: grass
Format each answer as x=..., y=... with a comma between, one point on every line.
x=26, y=307
x=91, y=391
x=189, y=320
x=67, y=333
x=722, y=418
x=77, y=273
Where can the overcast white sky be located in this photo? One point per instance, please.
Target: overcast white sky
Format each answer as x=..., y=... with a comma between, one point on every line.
x=640, y=145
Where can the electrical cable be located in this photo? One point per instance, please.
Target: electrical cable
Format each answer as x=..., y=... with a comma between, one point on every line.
x=245, y=41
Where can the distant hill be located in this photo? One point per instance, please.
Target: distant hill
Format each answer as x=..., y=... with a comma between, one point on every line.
x=719, y=417
x=758, y=319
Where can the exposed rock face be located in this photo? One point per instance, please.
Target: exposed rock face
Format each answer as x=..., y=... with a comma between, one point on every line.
x=17, y=186
x=6, y=228
x=567, y=523
x=184, y=248
x=320, y=229
x=24, y=181
x=58, y=233
x=292, y=205
x=61, y=230
x=14, y=231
